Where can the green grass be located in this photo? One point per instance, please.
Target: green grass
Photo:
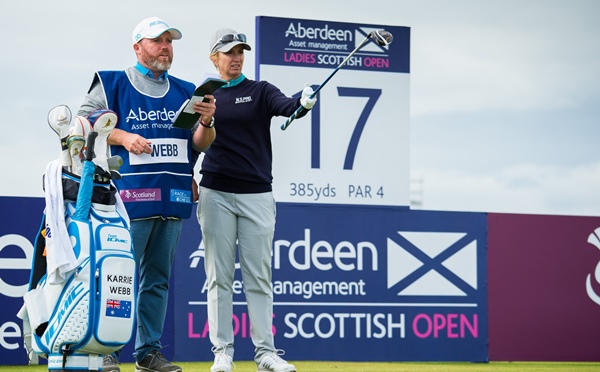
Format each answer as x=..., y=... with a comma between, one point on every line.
x=248, y=366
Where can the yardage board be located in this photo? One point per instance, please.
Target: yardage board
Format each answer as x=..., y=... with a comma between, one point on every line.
x=353, y=147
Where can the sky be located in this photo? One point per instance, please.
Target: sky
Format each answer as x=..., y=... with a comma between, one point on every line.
x=504, y=95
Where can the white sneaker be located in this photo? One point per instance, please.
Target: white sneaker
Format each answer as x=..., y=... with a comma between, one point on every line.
x=272, y=362
x=223, y=362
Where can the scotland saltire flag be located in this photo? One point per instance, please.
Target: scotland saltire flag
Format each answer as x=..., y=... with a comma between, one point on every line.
x=118, y=308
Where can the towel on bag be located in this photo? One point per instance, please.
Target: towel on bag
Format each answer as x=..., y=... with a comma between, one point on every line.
x=60, y=257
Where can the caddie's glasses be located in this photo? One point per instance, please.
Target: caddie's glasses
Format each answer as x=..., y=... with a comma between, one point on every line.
x=228, y=38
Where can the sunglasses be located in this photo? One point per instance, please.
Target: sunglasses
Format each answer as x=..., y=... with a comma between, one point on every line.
x=228, y=38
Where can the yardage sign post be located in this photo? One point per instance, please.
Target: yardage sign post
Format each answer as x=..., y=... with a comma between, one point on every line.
x=353, y=147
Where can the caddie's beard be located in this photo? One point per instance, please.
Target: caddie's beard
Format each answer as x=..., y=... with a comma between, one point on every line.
x=153, y=63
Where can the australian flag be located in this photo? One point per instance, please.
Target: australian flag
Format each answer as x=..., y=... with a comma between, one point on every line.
x=118, y=308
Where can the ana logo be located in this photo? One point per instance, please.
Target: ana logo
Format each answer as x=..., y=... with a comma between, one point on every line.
x=594, y=240
x=243, y=100
x=432, y=264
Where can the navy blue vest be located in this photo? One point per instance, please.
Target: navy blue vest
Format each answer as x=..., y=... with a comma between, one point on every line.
x=157, y=184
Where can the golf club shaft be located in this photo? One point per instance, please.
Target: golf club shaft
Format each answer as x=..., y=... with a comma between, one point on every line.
x=299, y=110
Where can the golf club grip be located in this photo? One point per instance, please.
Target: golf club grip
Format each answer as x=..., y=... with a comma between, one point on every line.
x=91, y=141
x=291, y=118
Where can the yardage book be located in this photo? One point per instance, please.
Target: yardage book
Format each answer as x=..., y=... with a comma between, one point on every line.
x=187, y=117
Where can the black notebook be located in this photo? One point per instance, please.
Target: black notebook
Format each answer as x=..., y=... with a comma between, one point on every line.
x=187, y=117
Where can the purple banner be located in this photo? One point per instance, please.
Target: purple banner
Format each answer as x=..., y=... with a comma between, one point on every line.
x=544, y=287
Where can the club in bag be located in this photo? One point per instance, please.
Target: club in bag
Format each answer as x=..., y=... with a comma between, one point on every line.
x=59, y=119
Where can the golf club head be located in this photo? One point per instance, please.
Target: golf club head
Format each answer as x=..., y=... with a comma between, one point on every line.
x=382, y=37
x=115, y=175
x=114, y=162
x=103, y=175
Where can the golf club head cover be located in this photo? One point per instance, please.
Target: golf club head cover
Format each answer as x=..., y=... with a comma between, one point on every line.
x=80, y=126
x=103, y=121
x=59, y=119
x=75, y=145
x=307, y=101
x=78, y=132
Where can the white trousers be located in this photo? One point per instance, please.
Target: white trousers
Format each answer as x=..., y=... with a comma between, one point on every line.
x=246, y=222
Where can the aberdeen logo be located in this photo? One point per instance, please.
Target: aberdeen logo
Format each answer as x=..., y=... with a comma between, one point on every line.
x=326, y=37
x=432, y=264
x=321, y=34
x=196, y=256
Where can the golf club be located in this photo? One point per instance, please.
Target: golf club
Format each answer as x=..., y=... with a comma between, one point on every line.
x=380, y=37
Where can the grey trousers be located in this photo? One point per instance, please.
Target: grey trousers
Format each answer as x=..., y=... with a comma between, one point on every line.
x=245, y=221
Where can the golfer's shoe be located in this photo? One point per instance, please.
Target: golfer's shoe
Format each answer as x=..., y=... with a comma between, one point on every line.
x=59, y=119
x=223, y=362
x=103, y=121
x=272, y=362
x=109, y=364
x=155, y=361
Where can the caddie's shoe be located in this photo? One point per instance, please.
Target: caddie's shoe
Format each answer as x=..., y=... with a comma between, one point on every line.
x=109, y=364
x=156, y=362
x=223, y=362
x=272, y=362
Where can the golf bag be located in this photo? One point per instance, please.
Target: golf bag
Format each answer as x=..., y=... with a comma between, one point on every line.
x=84, y=308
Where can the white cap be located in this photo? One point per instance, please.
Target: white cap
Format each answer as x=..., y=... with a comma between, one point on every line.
x=153, y=27
x=216, y=44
